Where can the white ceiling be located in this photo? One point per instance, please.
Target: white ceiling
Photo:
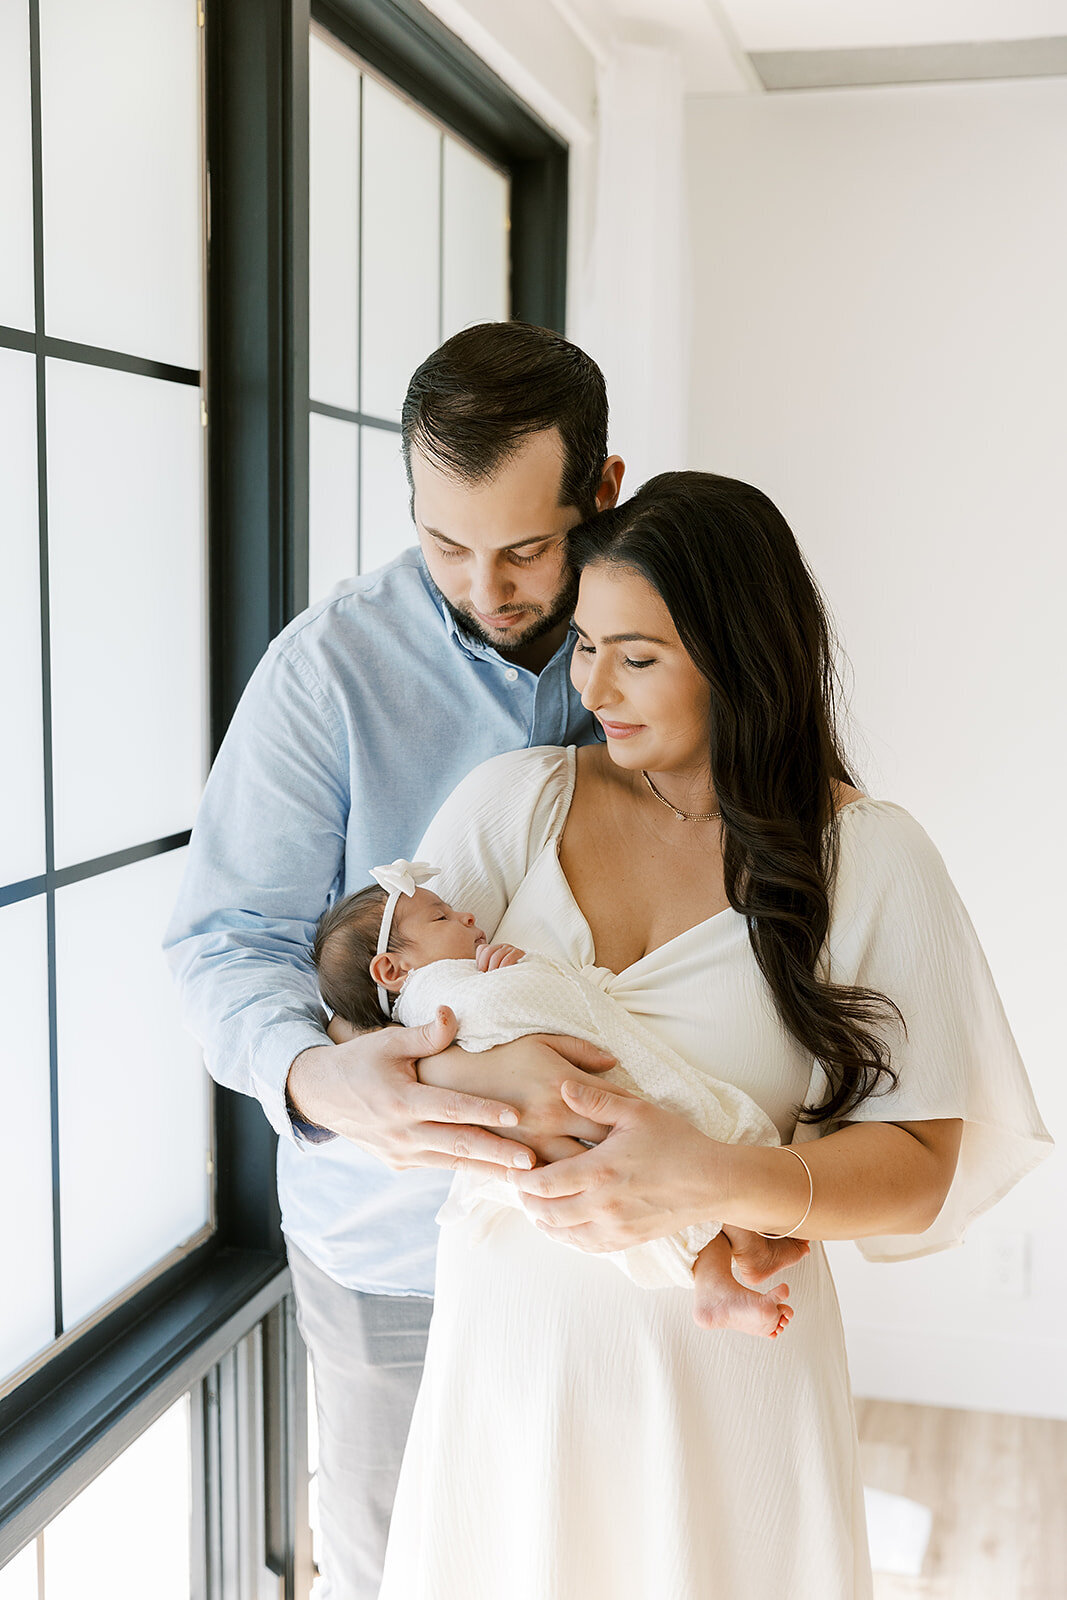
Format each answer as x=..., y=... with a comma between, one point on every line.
x=731, y=46
x=865, y=24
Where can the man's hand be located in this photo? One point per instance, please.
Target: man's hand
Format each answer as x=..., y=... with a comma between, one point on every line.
x=368, y=1089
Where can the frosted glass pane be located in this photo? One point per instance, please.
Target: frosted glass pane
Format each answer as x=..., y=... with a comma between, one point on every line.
x=22, y=790
x=128, y=1534
x=401, y=207
x=120, y=135
x=18, y=1580
x=475, y=271
x=133, y=1096
x=28, y=1320
x=16, y=172
x=334, y=237
x=125, y=528
x=386, y=527
x=332, y=514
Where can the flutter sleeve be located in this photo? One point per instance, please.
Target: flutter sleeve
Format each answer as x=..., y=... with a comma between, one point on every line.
x=899, y=927
x=492, y=826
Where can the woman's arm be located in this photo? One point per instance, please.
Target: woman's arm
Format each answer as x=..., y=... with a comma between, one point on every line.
x=867, y=1180
x=656, y=1173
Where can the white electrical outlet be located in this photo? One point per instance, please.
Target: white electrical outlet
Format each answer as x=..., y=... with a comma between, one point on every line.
x=1008, y=1264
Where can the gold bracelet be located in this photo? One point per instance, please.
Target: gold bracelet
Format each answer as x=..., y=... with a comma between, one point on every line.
x=811, y=1195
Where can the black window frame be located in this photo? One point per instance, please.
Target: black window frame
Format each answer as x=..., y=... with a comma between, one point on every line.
x=86, y=1403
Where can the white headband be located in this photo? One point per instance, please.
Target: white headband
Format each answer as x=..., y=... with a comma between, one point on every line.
x=399, y=877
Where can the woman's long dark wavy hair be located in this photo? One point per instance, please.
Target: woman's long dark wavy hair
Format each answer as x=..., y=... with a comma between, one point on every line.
x=747, y=610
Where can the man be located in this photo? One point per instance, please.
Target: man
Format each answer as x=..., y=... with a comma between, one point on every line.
x=363, y=715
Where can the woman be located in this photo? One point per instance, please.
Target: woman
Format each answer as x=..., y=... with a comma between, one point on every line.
x=577, y=1438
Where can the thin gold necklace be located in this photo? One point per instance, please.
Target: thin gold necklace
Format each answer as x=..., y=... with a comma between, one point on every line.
x=683, y=816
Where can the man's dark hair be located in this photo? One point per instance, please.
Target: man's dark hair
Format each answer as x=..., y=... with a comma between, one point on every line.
x=346, y=941
x=473, y=401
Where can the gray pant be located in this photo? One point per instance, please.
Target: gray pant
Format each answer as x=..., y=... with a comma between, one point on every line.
x=367, y=1352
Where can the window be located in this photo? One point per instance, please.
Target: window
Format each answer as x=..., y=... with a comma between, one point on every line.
x=102, y=624
x=145, y=1294
x=197, y=1503
x=126, y=1535
x=388, y=283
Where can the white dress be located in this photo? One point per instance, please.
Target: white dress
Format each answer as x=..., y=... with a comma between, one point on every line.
x=579, y=1438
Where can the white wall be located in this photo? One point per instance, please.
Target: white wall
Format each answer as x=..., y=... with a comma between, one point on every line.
x=630, y=302
x=530, y=46
x=880, y=343
x=619, y=106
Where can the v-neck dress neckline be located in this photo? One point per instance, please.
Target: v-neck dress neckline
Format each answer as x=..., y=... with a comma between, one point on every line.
x=566, y=801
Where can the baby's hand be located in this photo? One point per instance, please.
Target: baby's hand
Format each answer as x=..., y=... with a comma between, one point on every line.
x=491, y=956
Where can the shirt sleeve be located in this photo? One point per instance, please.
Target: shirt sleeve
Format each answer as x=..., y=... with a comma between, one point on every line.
x=267, y=849
x=493, y=825
x=899, y=927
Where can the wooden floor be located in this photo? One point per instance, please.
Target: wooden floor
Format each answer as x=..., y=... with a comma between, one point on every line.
x=997, y=1487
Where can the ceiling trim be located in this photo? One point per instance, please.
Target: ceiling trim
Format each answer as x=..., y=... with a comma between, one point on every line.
x=919, y=63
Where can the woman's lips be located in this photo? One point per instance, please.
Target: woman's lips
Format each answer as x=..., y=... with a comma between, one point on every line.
x=620, y=730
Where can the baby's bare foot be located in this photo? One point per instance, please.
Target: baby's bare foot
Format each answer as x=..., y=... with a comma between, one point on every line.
x=719, y=1305
x=755, y=1259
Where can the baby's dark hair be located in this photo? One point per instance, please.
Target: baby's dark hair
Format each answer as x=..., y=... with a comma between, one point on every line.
x=346, y=941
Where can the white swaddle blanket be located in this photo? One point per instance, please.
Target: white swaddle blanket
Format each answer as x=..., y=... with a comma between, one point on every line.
x=540, y=996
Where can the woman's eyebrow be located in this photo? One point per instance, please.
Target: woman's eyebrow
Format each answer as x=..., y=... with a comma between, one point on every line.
x=622, y=638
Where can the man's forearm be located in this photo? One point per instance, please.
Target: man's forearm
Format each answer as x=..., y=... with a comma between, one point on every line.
x=300, y=1094
x=316, y=1083
x=252, y=1014
x=311, y=1083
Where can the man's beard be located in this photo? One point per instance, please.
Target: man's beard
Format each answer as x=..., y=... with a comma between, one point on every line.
x=541, y=621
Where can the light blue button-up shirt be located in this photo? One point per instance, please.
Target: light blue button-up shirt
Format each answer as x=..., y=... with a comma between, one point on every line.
x=361, y=718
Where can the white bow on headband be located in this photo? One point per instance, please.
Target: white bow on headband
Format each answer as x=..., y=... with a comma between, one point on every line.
x=399, y=877
x=404, y=877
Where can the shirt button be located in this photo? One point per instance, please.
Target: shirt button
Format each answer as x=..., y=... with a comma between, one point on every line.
x=511, y=675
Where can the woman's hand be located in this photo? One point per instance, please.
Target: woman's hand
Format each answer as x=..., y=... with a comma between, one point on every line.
x=654, y=1174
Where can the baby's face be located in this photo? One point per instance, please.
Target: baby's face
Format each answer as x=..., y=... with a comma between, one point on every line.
x=432, y=931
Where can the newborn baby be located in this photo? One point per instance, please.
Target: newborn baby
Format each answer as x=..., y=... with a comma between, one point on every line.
x=398, y=950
